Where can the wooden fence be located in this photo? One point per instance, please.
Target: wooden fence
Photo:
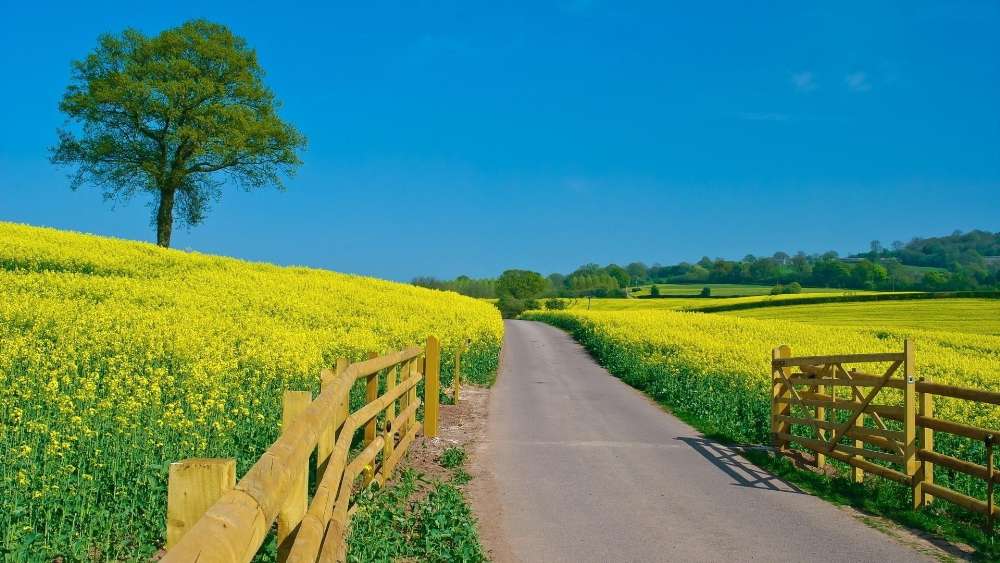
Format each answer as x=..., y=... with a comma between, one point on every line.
x=831, y=404
x=211, y=518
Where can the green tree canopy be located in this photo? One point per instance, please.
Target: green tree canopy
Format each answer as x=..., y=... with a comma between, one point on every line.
x=520, y=284
x=173, y=115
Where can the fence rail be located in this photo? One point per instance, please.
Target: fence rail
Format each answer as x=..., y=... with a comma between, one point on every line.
x=902, y=451
x=211, y=518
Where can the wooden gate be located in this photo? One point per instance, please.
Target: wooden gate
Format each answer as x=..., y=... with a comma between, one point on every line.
x=873, y=413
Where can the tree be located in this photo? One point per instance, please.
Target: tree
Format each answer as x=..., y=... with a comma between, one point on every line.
x=935, y=281
x=168, y=115
x=619, y=274
x=557, y=281
x=876, y=248
x=520, y=284
x=638, y=272
x=654, y=291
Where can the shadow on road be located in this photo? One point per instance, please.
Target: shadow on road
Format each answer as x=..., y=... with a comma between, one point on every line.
x=742, y=471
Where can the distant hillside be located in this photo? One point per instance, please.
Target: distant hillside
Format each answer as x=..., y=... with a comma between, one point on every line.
x=974, y=250
x=958, y=262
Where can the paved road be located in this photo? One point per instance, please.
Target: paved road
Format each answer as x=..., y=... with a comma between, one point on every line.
x=587, y=469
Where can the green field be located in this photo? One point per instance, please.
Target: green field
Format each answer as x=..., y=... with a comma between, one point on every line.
x=688, y=303
x=623, y=304
x=974, y=316
x=723, y=289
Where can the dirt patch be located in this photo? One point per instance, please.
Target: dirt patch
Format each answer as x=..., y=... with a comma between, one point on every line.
x=460, y=425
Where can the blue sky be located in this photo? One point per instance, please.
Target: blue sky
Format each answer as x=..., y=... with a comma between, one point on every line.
x=452, y=138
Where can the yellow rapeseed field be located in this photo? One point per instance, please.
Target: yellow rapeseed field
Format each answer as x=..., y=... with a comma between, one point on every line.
x=117, y=358
x=716, y=368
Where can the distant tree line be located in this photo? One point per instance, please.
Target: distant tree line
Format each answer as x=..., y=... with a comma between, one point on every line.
x=483, y=288
x=958, y=262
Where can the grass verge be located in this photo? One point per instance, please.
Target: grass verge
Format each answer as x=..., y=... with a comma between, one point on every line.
x=417, y=519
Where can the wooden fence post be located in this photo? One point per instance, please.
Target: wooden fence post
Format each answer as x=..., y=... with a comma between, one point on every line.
x=820, y=414
x=327, y=438
x=193, y=486
x=345, y=406
x=858, y=474
x=295, y=505
x=415, y=367
x=456, y=382
x=371, y=394
x=778, y=391
x=390, y=414
x=926, y=443
x=910, y=423
x=432, y=385
x=990, y=474
x=405, y=371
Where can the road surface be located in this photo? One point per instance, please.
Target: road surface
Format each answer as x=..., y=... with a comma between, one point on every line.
x=585, y=468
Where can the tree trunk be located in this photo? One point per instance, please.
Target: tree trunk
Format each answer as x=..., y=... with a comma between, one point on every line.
x=165, y=217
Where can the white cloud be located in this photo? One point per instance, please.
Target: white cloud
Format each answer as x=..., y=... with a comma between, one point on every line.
x=858, y=82
x=804, y=81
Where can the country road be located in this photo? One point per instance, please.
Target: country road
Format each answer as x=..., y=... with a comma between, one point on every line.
x=585, y=468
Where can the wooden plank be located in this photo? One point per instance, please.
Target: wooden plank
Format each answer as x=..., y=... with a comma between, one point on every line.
x=859, y=397
x=333, y=544
x=925, y=441
x=823, y=445
x=956, y=428
x=965, y=501
x=895, y=413
x=371, y=393
x=344, y=405
x=886, y=439
x=314, y=525
x=404, y=444
x=839, y=432
x=955, y=392
x=230, y=532
x=779, y=392
x=390, y=415
x=296, y=503
x=432, y=386
x=379, y=363
x=873, y=454
x=237, y=523
x=858, y=474
x=869, y=467
x=860, y=431
x=859, y=381
x=954, y=463
x=194, y=485
x=838, y=359
x=328, y=437
x=910, y=463
x=990, y=474
x=820, y=414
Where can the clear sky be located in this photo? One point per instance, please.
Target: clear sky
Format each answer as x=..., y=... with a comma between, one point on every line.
x=452, y=138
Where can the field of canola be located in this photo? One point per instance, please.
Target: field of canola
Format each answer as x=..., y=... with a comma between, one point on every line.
x=976, y=316
x=118, y=357
x=716, y=368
